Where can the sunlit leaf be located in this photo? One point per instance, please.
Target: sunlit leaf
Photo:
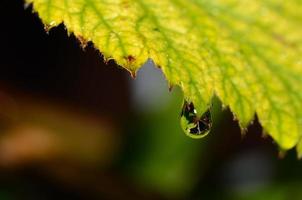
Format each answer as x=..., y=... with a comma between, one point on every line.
x=299, y=149
x=248, y=53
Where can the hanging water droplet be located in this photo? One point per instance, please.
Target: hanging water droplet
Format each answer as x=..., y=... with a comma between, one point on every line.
x=194, y=125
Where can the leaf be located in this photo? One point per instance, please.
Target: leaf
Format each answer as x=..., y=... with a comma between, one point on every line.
x=299, y=149
x=248, y=53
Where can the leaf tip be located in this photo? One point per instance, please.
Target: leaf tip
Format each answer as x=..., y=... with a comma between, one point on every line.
x=27, y=5
x=133, y=73
x=299, y=150
x=83, y=41
x=243, y=131
x=282, y=154
x=171, y=86
x=49, y=26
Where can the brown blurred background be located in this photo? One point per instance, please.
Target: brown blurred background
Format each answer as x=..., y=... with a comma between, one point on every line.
x=73, y=127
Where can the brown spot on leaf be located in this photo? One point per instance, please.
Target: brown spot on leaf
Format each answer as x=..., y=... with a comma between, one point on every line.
x=130, y=58
x=83, y=41
x=279, y=38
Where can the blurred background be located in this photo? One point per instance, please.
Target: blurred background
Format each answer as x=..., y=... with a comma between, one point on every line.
x=74, y=127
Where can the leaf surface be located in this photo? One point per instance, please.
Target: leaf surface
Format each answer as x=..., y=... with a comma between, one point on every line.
x=299, y=149
x=248, y=53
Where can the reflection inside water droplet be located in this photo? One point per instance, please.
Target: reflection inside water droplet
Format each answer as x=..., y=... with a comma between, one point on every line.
x=194, y=125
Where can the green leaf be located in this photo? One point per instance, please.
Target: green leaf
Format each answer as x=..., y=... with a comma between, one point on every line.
x=299, y=149
x=248, y=53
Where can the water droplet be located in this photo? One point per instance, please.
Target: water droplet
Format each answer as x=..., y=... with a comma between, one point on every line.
x=194, y=125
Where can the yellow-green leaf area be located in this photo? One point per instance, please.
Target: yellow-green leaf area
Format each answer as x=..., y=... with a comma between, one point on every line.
x=248, y=53
x=299, y=149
